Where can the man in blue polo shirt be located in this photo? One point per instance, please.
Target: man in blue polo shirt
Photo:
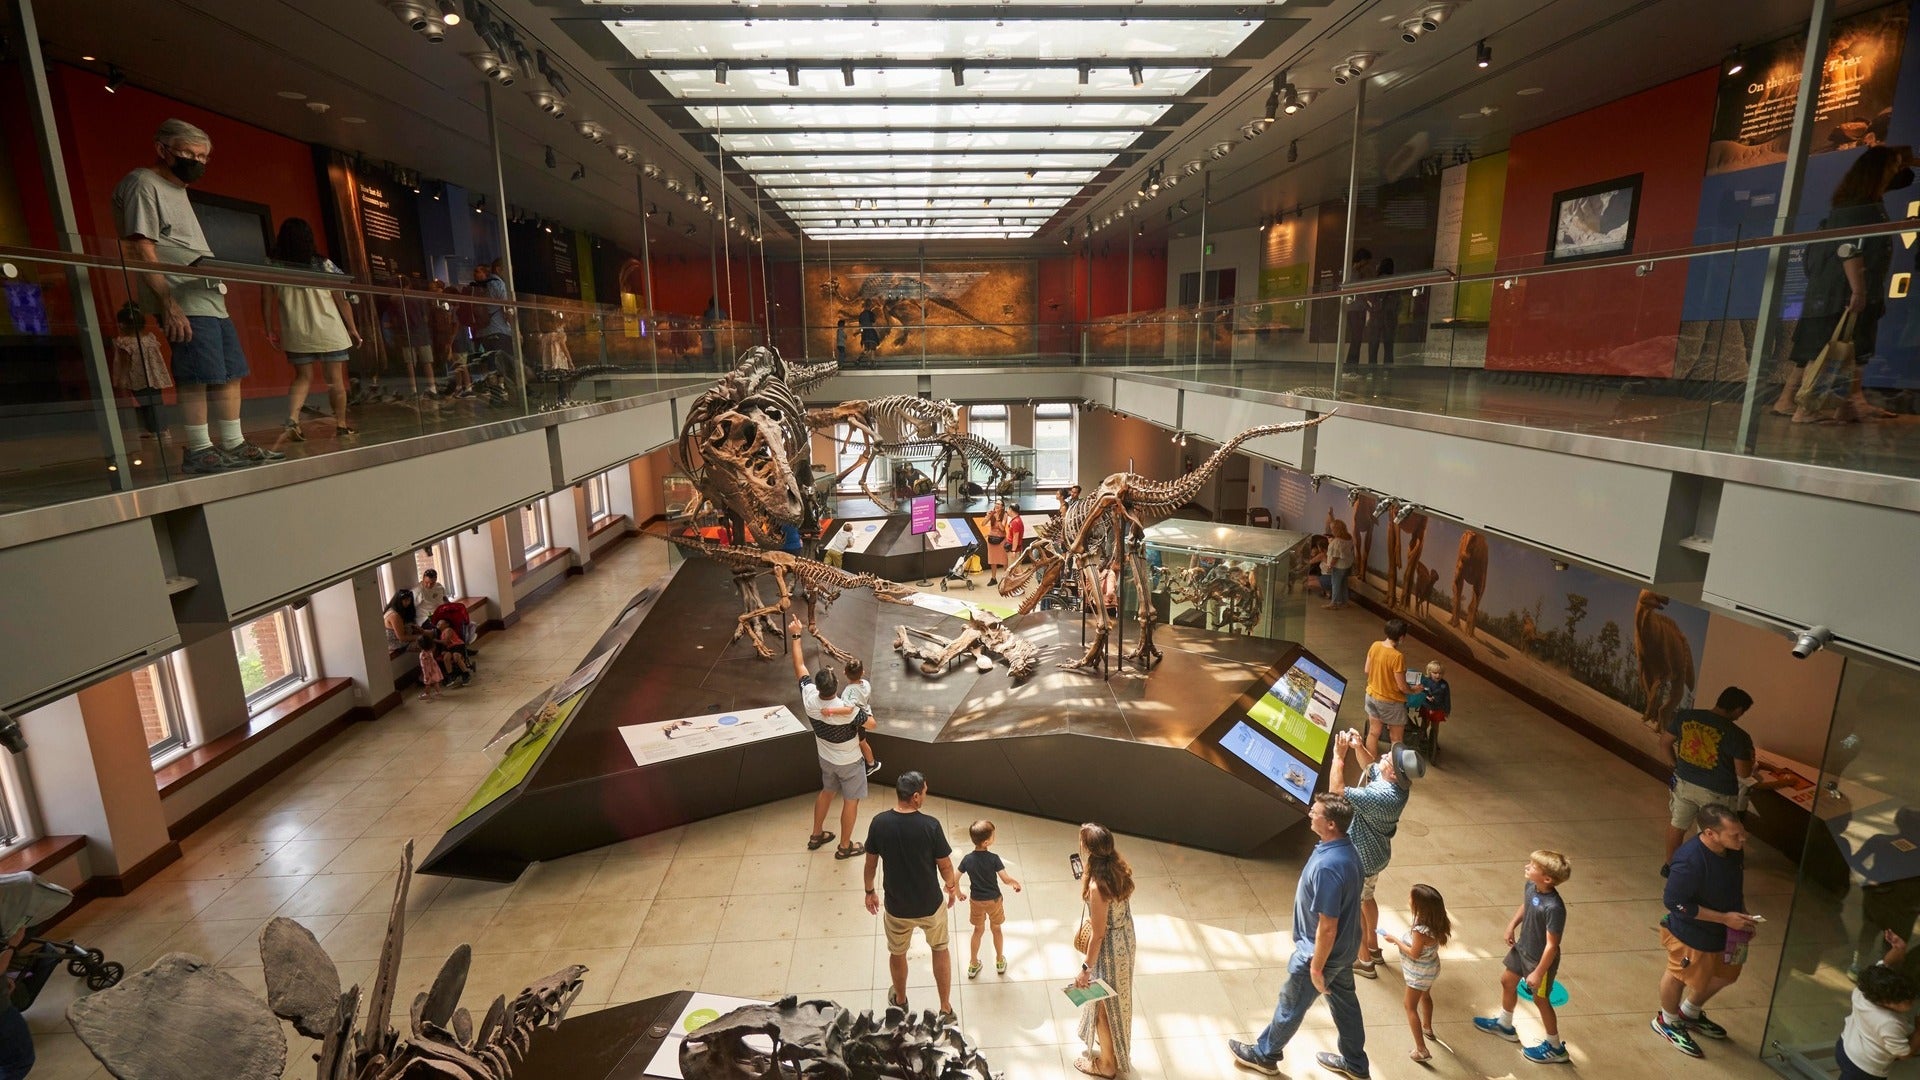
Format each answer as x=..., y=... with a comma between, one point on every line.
x=1706, y=927
x=1326, y=939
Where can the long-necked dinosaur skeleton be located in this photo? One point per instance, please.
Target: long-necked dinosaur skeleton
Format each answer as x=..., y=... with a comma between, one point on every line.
x=897, y=418
x=1105, y=526
x=969, y=450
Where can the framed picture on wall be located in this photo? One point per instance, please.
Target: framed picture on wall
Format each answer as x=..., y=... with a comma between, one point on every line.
x=1594, y=221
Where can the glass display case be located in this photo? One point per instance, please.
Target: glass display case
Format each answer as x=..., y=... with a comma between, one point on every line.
x=1234, y=579
x=927, y=469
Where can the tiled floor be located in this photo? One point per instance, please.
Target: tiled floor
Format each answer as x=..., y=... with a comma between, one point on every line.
x=736, y=904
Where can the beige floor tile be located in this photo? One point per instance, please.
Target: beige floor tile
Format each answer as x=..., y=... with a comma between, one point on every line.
x=695, y=876
x=606, y=924
x=626, y=878
x=254, y=898
x=753, y=969
x=660, y=969
x=761, y=918
x=682, y=922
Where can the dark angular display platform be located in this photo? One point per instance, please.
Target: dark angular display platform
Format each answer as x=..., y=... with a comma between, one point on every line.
x=1139, y=754
x=898, y=555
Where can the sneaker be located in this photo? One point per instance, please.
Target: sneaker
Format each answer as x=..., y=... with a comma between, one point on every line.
x=1545, y=1053
x=947, y=1018
x=1000, y=966
x=344, y=429
x=249, y=454
x=1492, y=1026
x=1666, y=869
x=1366, y=969
x=1247, y=1057
x=1700, y=1025
x=294, y=433
x=1333, y=1062
x=1677, y=1036
x=875, y=767
x=973, y=970
x=204, y=460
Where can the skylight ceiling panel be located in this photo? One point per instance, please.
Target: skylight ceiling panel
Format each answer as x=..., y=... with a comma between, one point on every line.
x=746, y=142
x=853, y=201
x=836, y=117
x=1050, y=158
x=689, y=84
x=974, y=39
x=835, y=183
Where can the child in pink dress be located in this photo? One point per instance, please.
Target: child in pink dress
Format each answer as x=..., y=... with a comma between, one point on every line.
x=430, y=675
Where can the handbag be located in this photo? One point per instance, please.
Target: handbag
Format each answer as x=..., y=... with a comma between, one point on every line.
x=1836, y=358
x=1084, y=936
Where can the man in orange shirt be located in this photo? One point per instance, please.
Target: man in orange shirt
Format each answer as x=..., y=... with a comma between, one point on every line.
x=1387, y=686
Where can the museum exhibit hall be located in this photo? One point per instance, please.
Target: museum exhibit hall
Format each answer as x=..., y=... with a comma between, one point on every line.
x=1001, y=540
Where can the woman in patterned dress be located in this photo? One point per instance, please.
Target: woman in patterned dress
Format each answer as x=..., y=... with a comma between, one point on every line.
x=1107, y=1026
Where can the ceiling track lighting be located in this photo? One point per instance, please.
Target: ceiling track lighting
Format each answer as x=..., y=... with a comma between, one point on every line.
x=793, y=74
x=1734, y=63
x=625, y=153
x=1432, y=16
x=1137, y=73
x=1483, y=55
x=591, y=131
x=493, y=66
x=959, y=73
x=1353, y=67
x=720, y=72
x=1290, y=102
x=846, y=72
x=423, y=18
x=1086, y=72
x=449, y=14
x=115, y=78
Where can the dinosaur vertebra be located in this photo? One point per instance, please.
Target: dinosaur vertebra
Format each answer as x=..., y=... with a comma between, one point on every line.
x=984, y=634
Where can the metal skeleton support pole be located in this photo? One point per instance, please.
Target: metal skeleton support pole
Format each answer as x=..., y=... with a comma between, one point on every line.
x=923, y=304
x=1353, y=202
x=506, y=252
x=79, y=285
x=1200, y=309
x=726, y=245
x=806, y=331
x=652, y=326
x=766, y=284
x=1773, y=286
x=1127, y=326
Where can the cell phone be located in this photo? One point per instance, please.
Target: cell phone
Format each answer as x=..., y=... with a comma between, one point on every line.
x=1758, y=918
x=1079, y=867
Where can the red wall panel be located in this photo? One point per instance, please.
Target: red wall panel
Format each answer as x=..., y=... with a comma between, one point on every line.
x=1607, y=321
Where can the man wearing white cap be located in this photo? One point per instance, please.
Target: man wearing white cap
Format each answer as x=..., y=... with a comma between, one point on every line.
x=1377, y=801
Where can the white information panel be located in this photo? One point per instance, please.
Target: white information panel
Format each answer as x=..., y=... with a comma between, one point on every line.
x=701, y=1010
x=665, y=740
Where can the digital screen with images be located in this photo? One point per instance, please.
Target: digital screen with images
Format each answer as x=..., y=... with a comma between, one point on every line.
x=1300, y=707
x=1293, y=776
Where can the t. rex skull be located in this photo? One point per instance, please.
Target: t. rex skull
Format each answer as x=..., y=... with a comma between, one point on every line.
x=743, y=454
x=1033, y=573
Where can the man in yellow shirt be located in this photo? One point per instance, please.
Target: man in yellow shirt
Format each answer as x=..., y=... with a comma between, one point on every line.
x=1387, y=686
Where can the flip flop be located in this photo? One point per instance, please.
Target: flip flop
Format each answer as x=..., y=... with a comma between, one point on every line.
x=1084, y=1064
x=819, y=840
x=852, y=851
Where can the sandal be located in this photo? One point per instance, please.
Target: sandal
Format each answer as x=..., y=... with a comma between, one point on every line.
x=1084, y=1063
x=1421, y=1056
x=819, y=840
x=851, y=851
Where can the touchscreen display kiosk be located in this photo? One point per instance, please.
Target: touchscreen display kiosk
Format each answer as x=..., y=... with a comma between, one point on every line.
x=1281, y=728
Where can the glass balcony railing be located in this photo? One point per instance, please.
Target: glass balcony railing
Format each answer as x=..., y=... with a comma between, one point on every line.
x=1656, y=347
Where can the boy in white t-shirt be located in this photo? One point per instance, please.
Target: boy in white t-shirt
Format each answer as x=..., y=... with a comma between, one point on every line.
x=1880, y=1030
x=858, y=692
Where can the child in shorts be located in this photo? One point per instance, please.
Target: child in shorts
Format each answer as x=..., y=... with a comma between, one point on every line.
x=1420, y=962
x=1534, y=959
x=856, y=691
x=985, y=909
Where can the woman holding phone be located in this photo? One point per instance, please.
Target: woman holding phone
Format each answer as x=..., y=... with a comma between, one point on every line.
x=1106, y=1027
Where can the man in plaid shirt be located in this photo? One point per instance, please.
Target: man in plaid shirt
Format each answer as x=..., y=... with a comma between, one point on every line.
x=1377, y=801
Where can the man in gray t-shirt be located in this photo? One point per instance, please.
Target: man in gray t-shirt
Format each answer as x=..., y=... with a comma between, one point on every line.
x=157, y=224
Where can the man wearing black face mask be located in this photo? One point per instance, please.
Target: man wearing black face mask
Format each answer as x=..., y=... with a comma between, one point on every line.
x=157, y=225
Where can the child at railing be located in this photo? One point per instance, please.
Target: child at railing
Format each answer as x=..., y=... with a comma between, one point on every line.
x=140, y=368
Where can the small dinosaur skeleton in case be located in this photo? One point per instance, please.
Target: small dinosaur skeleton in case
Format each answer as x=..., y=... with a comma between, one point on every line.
x=1106, y=525
x=984, y=635
x=819, y=586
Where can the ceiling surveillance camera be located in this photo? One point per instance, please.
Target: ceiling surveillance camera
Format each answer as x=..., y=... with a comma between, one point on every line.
x=1810, y=641
x=11, y=736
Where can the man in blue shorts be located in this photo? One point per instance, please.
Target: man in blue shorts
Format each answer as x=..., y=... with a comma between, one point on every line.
x=157, y=224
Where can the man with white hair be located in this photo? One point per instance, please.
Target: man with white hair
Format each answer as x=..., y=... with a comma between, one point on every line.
x=157, y=225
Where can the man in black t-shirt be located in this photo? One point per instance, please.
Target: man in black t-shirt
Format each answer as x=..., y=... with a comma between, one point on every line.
x=918, y=860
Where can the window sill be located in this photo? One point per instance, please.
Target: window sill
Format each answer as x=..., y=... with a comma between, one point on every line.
x=200, y=760
x=269, y=702
x=39, y=856
x=170, y=757
x=615, y=521
x=540, y=562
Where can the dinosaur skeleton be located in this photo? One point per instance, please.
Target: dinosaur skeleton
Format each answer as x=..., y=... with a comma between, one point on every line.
x=1225, y=597
x=1103, y=527
x=984, y=635
x=970, y=449
x=744, y=444
x=819, y=586
x=897, y=418
x=819, y=1040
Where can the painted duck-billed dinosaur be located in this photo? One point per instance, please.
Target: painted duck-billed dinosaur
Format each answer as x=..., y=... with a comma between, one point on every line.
x=819, y=586
x=1104, y=526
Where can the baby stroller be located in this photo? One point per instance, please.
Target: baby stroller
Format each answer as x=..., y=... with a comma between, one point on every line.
x=35, y=961
x=958, y=572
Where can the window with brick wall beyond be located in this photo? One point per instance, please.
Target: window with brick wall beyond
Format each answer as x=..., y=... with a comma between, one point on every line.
x=534, y=530
x=599, y=499
x=157, y=690
x=272, y=652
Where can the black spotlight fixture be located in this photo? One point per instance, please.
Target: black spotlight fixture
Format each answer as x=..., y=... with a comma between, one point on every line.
x=115, y=78
x=553, y=160
x=1272, y=112
x=1293, y=151
x=580, y=172
x=846, y=72
x=1290, y=98
x=449, y=14
x=1137, y=73
x=720, y=73
x=959, y=73
x=1483, y=55
x=1734, y=64
x=1086, y=72
x=793, y=74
